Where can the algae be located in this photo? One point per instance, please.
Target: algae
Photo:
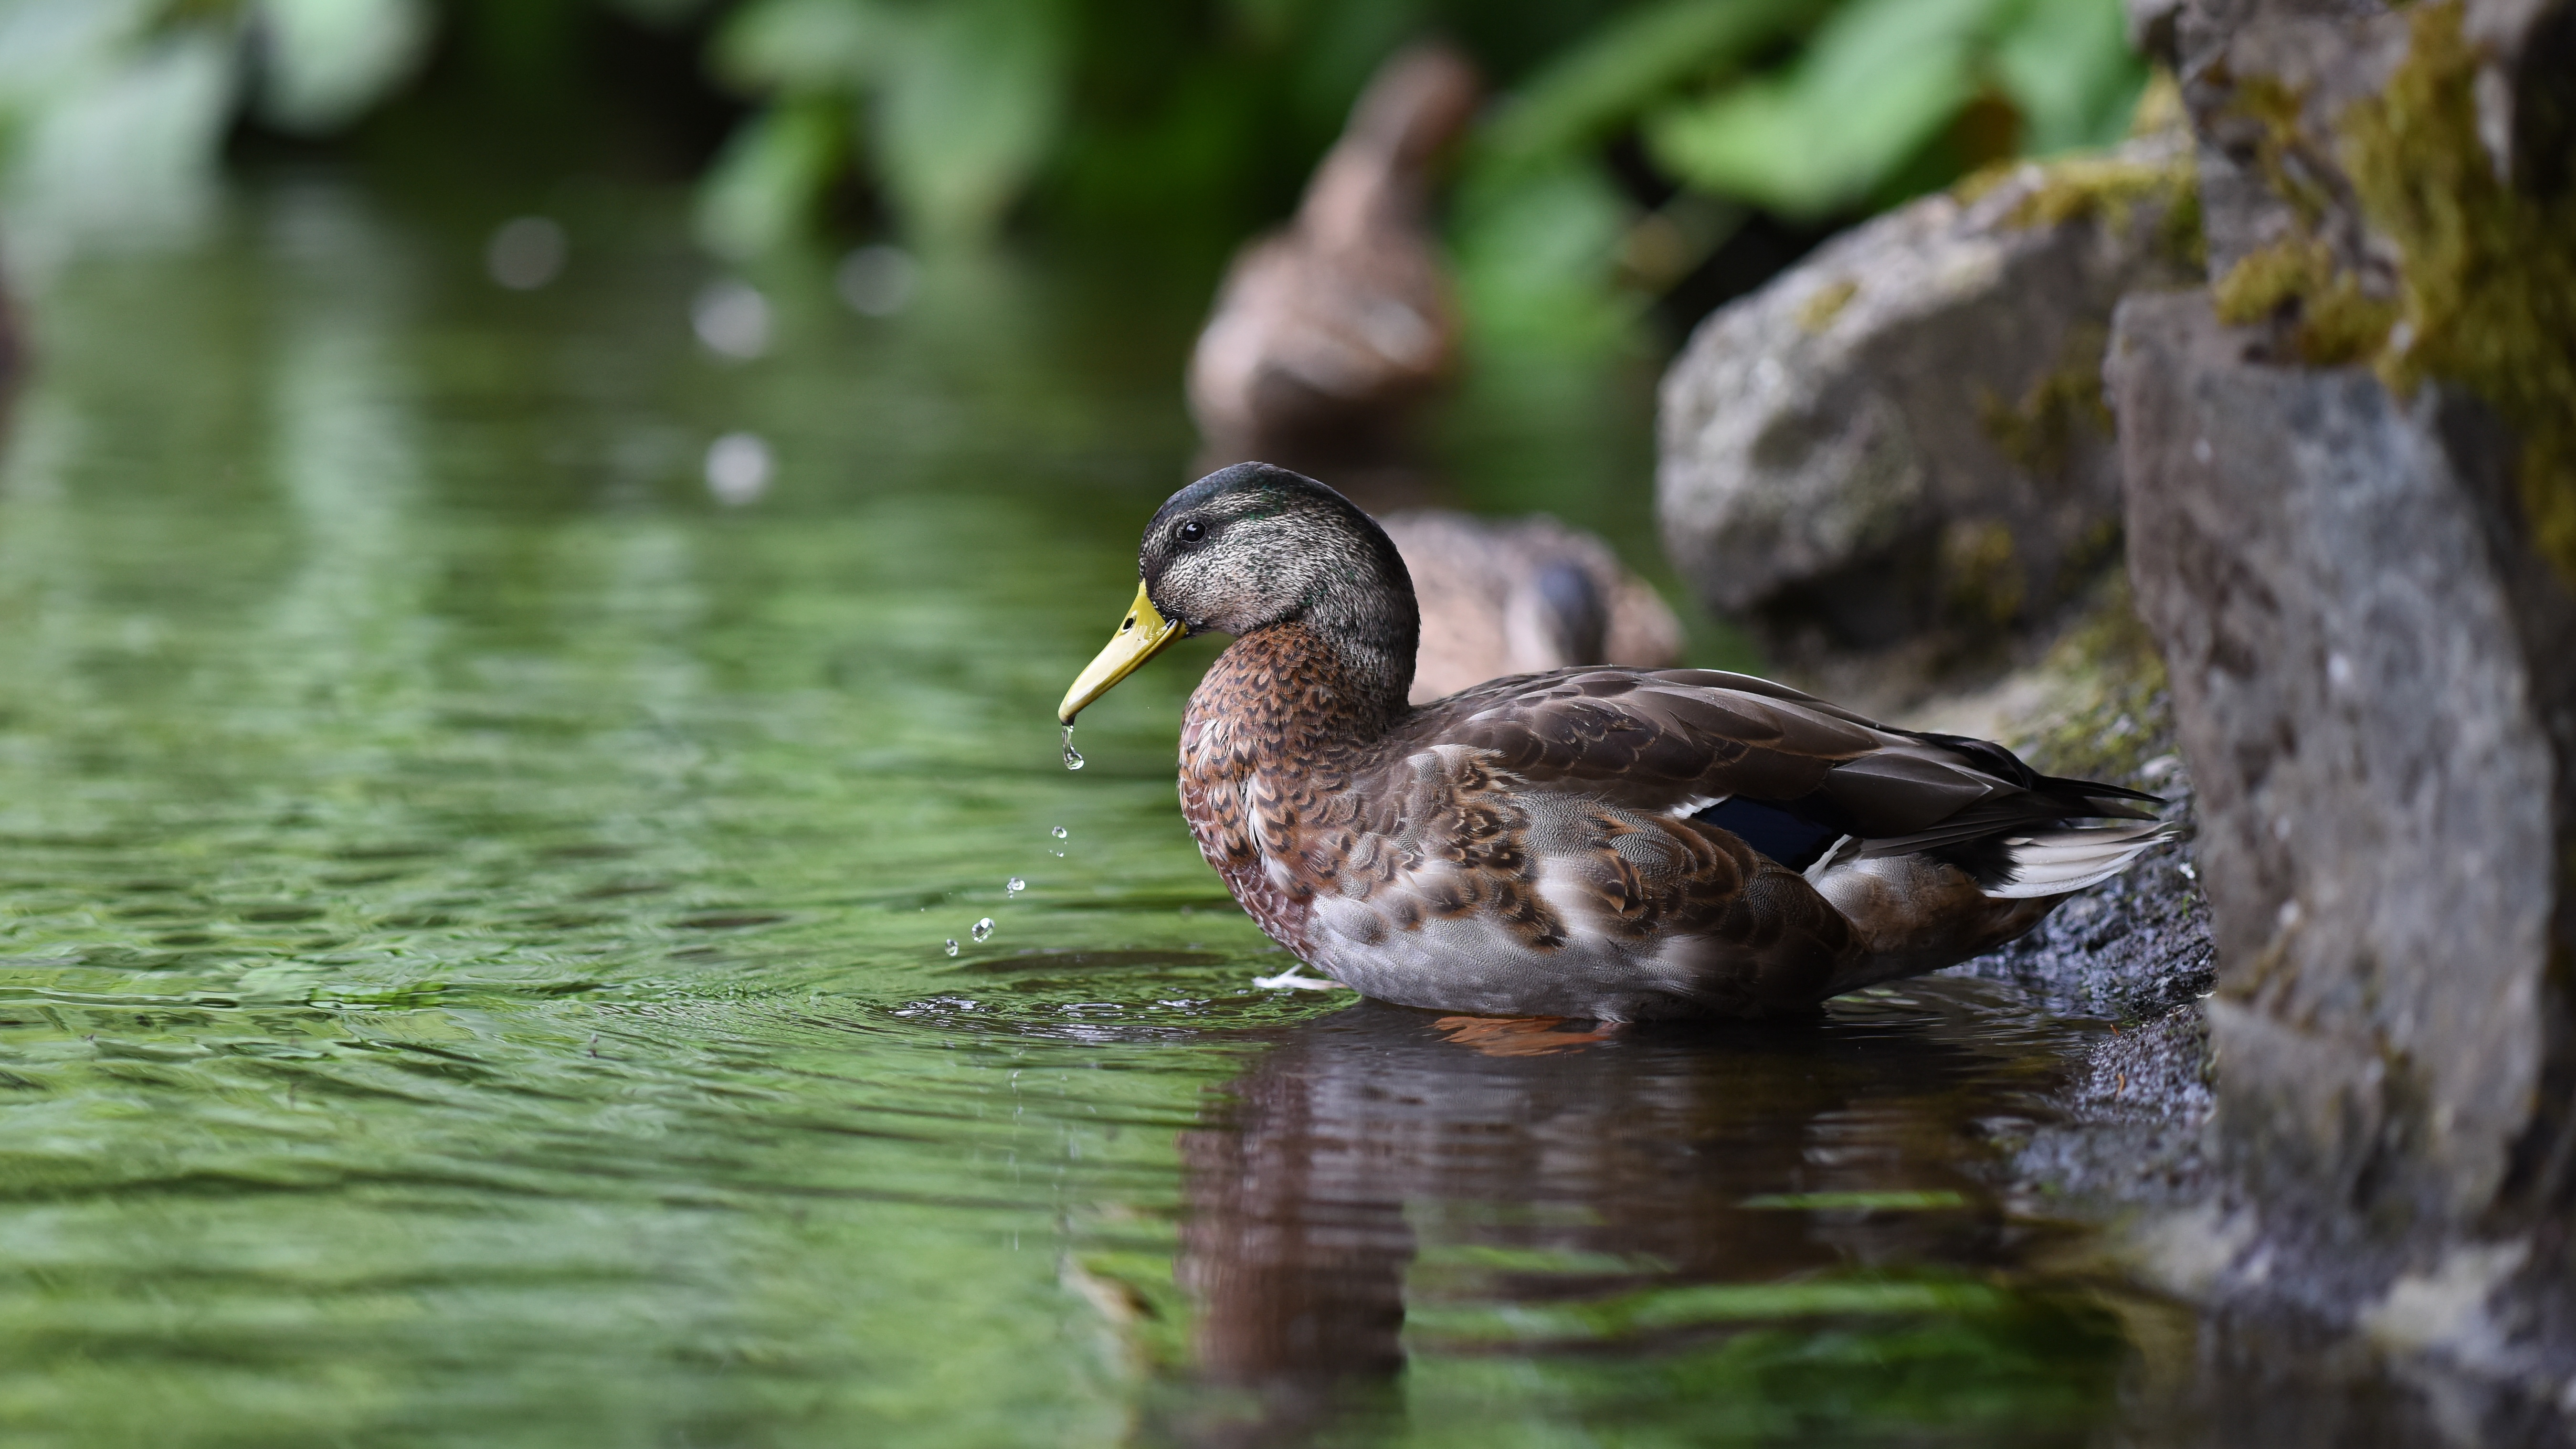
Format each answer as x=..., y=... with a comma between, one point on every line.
x=2038, y=430
x=2120, y=714
x=2108, y=187
x=1981, y=575
x=2332, y=319
x=2486, y=274
x=2281, y=150
x=1826, y=303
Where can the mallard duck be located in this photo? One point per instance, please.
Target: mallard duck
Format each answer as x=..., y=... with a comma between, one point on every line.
x=1521, y=596
x=1602, y=843
x=1336, y=324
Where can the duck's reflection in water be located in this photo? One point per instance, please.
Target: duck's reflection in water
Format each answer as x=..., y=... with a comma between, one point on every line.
x=1383, y=1159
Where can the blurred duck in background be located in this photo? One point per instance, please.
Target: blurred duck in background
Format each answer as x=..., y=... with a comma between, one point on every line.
x=1327, y=332
x=1519, y=596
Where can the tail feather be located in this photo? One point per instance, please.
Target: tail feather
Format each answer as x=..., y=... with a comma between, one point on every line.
x=2069, y=858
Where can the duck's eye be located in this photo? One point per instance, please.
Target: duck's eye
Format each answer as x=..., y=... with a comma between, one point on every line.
x=1190, y=532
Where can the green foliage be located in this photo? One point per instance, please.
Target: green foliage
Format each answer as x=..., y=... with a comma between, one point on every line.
x=762, y=188
x=1537, y=253
x=113, y=112
x=1883, y=80
x=1640, y=57
x=1541, y=226
x=962, y=100
x=329, y=60
x=1192, y=120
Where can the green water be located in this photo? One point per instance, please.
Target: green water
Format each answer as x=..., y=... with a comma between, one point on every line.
x=473, y=921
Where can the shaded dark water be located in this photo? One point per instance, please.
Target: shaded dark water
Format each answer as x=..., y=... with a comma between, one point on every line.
x=473, y=915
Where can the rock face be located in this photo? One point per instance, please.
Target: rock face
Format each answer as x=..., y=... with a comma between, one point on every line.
x=2339, y=522
x=1906, y=430
x=2375, y=677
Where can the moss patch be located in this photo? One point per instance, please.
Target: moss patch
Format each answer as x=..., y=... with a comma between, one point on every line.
x=2487, y=275
x=1981, y=574
x=2109, y=188
x=2038, y=430
x=2332, y=320
x=2121, y=715
x=1826, y=303
x=2281, y=153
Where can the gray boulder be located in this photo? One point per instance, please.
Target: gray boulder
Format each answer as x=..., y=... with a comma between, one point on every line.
x=1906, y=431
x=2339, y=531
x=2371, y=673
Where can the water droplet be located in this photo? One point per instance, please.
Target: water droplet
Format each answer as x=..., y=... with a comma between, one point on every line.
x=732, y=318
x=738, y=468
x=983, y=929
x=877, y=281
x=1017, y=885
x=952, y=945
x=1058, y=832
x=1072, y=759
x=526, y=253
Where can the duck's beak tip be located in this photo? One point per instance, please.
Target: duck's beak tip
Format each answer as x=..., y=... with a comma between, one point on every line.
x=1142, y=635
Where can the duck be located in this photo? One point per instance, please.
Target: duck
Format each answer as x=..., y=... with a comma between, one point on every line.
x=1600, y=843
x=1328, y=331
x=1521, y=596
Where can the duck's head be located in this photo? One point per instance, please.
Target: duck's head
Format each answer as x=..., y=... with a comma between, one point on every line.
x=1254, y=547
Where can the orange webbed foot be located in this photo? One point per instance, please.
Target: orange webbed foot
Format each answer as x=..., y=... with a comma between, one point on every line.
x=1522, y=1036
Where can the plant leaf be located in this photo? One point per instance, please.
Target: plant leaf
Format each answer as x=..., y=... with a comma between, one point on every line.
x=963, y=123
x=807, y=45
x=1879, y=81
x=1631, y=63
x=325, y=62
x=763, y=186
x=2068, y=68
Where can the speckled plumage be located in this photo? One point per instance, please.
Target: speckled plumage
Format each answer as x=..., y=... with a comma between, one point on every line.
x=1578, y=843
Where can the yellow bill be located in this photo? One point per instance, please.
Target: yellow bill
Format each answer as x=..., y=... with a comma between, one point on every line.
x=1140, y=638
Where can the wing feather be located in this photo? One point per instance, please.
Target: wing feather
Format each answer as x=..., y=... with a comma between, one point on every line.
x=1672, y=739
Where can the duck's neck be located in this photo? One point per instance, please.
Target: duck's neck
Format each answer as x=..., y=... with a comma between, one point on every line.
x=1293, y=694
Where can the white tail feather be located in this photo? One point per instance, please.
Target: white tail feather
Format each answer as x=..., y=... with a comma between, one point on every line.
x=2054, y=862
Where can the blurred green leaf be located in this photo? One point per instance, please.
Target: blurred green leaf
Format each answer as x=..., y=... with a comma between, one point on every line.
x=806, y=45
x=964, y=121
x=1880, y=80
x=2068, y=68
x=1631, y=63
x=326, y=62
x=125, y=147
x=762, y=188
x=1537, y=252
x=964, y=100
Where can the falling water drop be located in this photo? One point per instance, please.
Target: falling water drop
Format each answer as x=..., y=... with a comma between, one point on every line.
x=1072, y=759
x=1016, y=886
x=1058, y=832
x=983, y=929
x=952, y=945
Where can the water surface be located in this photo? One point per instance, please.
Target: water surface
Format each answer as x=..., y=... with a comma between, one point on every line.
x=475, y=918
